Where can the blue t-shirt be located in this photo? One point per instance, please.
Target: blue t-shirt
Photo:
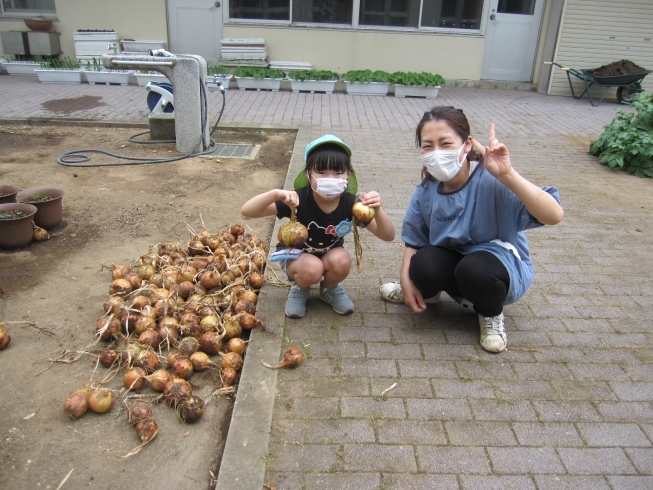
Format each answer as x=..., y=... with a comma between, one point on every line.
x=482, y=215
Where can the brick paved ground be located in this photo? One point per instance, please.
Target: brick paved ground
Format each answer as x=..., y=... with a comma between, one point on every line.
x=569, y=405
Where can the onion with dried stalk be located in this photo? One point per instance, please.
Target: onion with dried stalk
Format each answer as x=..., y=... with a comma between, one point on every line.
x=108, y=327
x=177, y=390
x=5, y=338
x=77, y=404
x=201, y=361
x=134, y=378
x=237, y=345
x=146, y=430
x=150, y=338
x=191, y=409
x=293, y=234
x=244, y=306
x=140, y=301
x=40, y=234
x=248, y=295
x=120, y=286
x=101, y=400
x=188, y=346
x=292, y=357
x=159, y=379
x=138, y=410
x=211, y=342
x=232, y=328
x=146, y=271
x=114, y=304
x=256, y=280
x=228, y=376
x=232, y=360
x=144, y=323
x=182, y=368
x=148, y=360
x=109, y=357
x=248, y=321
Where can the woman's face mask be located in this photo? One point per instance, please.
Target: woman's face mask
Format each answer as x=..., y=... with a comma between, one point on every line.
x=329, y=187
x=443, y=165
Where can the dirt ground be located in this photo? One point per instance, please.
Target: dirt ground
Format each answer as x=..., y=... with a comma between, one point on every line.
x=622, y=67
x=111, y=215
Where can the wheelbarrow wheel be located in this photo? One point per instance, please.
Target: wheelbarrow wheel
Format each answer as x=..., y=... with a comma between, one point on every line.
x=626, y=94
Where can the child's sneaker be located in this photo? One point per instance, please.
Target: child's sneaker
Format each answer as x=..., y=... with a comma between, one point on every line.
x=296, y=302
x=493, y=334
x=338, y=299
x=391, y=291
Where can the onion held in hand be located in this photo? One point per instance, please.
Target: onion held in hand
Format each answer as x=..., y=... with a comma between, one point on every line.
x=363, y=214
x=293, y=234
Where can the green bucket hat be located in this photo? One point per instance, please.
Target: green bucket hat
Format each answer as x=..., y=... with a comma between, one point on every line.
x=301, y=180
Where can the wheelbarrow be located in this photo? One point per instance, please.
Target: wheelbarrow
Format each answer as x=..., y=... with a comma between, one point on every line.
x=627, y=85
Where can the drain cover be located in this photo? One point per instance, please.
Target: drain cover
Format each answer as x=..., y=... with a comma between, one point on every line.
x=226, y=150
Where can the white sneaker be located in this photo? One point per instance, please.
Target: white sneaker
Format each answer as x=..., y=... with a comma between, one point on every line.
x=493, y=334
x=391, y=291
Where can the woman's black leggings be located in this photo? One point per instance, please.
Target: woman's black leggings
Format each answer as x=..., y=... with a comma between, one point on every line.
x=479, y=277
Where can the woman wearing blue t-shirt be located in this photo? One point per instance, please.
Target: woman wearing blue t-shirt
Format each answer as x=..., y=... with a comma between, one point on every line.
x=464, y=226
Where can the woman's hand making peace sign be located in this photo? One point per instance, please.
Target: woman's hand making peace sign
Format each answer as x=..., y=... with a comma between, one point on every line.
x=496, y=156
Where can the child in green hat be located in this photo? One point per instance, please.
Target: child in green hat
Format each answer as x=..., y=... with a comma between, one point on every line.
x=324, y=195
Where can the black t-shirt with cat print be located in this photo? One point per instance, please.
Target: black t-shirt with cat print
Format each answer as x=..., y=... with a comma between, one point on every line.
x=325, y=230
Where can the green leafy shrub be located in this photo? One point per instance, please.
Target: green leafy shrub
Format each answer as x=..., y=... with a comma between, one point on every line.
x=94, y=64
x=423, y=79
x=366, y=76
x=64, y=63
x=218, y=70
x=303, y=75
x=258, y=73
x=627, y=142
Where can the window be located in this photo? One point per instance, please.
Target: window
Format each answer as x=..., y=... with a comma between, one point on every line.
x=448, y=14
x=457, y=14
x=391, y=13
x=29, y=7
x=322, y=11
x=259, y=9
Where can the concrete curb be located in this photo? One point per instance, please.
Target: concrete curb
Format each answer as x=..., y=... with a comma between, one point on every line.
x=244, y=460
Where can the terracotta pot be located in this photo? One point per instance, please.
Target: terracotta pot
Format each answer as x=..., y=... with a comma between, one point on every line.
x=17, y=232
x=8, y=193
x=38, y=25
x=50, y=213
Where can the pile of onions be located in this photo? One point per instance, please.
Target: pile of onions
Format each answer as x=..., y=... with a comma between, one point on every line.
x=168, y=314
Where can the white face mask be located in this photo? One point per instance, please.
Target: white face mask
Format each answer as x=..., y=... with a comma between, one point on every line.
x=444, y=164
x=329, y=188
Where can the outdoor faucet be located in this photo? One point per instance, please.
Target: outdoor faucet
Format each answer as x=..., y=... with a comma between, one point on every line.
x=114, y=46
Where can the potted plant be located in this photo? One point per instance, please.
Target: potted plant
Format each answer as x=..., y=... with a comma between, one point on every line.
x=48, y=203
x=64, y=70
x=367, y=82
x=313, y=80
x=8, y=193
x=95, y=73
x=145, y=77
x=20, y=67
x=411, y=84
x=217, y=75
x=258, y=78
x=16, y=224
